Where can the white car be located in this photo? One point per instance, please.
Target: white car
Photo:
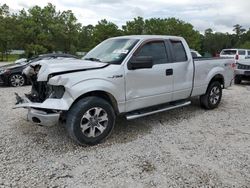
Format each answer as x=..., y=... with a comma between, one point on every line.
x=195, y=54
x=235, y=53
x=134, y=76
x=22, y=60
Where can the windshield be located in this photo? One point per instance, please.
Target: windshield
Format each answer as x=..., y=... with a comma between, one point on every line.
x=228, y=52
x=111, y=51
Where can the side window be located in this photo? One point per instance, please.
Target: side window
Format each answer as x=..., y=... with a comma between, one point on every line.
x=157, y=50
x=248, y=53
x=242, y=52
x=179, y=51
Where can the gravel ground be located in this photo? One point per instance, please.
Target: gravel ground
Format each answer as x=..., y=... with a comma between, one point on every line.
x=187, y=147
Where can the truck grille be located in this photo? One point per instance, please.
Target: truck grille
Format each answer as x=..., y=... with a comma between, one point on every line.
x=245, y=67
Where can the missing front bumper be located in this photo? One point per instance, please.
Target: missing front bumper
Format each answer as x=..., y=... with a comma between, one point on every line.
x=37, y=113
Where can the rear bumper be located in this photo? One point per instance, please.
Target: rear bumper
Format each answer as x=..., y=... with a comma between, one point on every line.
x=43, y=118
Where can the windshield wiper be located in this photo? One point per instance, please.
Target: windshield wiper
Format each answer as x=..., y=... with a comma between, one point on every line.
x=93, y=59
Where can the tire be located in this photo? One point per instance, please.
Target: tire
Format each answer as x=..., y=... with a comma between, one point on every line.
x=90, y=120
x=17, y=80
x=237, y=80
x=212, y=97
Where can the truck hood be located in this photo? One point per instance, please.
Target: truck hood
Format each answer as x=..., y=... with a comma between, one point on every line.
x=57, y=67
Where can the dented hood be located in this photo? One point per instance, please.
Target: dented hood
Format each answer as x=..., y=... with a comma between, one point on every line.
x=57, y=67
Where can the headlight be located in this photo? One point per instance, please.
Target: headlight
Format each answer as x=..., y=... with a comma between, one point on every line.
x=56, y=92
x=3, y=71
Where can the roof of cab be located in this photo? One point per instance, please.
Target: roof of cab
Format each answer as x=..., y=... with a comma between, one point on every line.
x=146, y=37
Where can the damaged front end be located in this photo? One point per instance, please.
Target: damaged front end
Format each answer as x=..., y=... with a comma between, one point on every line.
x=44, y=102
x=52, y=93
x=41, y=90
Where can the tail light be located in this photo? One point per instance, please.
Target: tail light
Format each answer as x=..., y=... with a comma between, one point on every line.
x=237, y=57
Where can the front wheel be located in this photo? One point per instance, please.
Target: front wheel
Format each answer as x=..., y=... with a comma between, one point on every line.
x=212, y=97
x=90, y=120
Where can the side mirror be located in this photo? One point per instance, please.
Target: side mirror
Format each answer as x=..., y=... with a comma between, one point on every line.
x=140, y=62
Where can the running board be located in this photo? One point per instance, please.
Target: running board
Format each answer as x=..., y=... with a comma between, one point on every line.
x=138, y=114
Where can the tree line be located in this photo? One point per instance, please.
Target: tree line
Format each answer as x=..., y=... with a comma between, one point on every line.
x=42, y=30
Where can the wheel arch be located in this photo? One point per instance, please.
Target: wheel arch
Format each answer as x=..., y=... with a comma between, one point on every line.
x=102, y=94
x=218, y=78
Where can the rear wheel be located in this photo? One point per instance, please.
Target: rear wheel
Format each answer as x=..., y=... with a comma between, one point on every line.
x=90, y=120
x=237, y=80
x=212, y=97
x=17, y=80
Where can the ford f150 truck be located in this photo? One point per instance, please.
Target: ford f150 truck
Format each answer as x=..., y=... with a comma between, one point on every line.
x=134, y=76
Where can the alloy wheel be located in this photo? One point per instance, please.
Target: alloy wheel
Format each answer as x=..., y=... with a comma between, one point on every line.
x=17, y=80
x=94, y=122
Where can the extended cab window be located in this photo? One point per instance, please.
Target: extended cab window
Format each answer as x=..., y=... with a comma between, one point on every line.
x=179, y=51
x=156, y=50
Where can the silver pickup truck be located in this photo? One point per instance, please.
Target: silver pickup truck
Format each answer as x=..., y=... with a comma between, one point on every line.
x=134, y=76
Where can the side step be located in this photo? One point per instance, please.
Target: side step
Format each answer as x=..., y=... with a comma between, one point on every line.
x=150, y=111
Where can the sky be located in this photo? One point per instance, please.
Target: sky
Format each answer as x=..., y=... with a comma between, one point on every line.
x=220, y=15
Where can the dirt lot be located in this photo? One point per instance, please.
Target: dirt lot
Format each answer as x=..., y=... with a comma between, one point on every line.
x=187, y=147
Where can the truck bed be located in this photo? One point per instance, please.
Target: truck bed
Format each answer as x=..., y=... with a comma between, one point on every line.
x=205, y=67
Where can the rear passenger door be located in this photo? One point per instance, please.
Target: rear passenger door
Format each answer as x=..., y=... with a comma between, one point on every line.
x=182, y=65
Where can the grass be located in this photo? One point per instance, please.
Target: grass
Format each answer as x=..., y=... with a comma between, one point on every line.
x=11, y=58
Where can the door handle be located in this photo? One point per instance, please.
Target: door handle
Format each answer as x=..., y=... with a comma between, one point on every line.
x=169, y=72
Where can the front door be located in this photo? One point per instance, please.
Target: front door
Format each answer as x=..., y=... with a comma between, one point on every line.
x=148, y=87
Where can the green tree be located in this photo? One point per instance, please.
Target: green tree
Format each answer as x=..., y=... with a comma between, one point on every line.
x=238, y=29
x=104, y=30
x=213, y=43
x=7, y=29
x=86, y=38
x=245, y=45
x=135, y=27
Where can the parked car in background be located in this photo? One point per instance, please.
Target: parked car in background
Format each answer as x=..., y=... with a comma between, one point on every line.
x=22, y=60
x=195, y=54
x=235, y=53
x=11, y=74
x=134, y=76
x=242, y=71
